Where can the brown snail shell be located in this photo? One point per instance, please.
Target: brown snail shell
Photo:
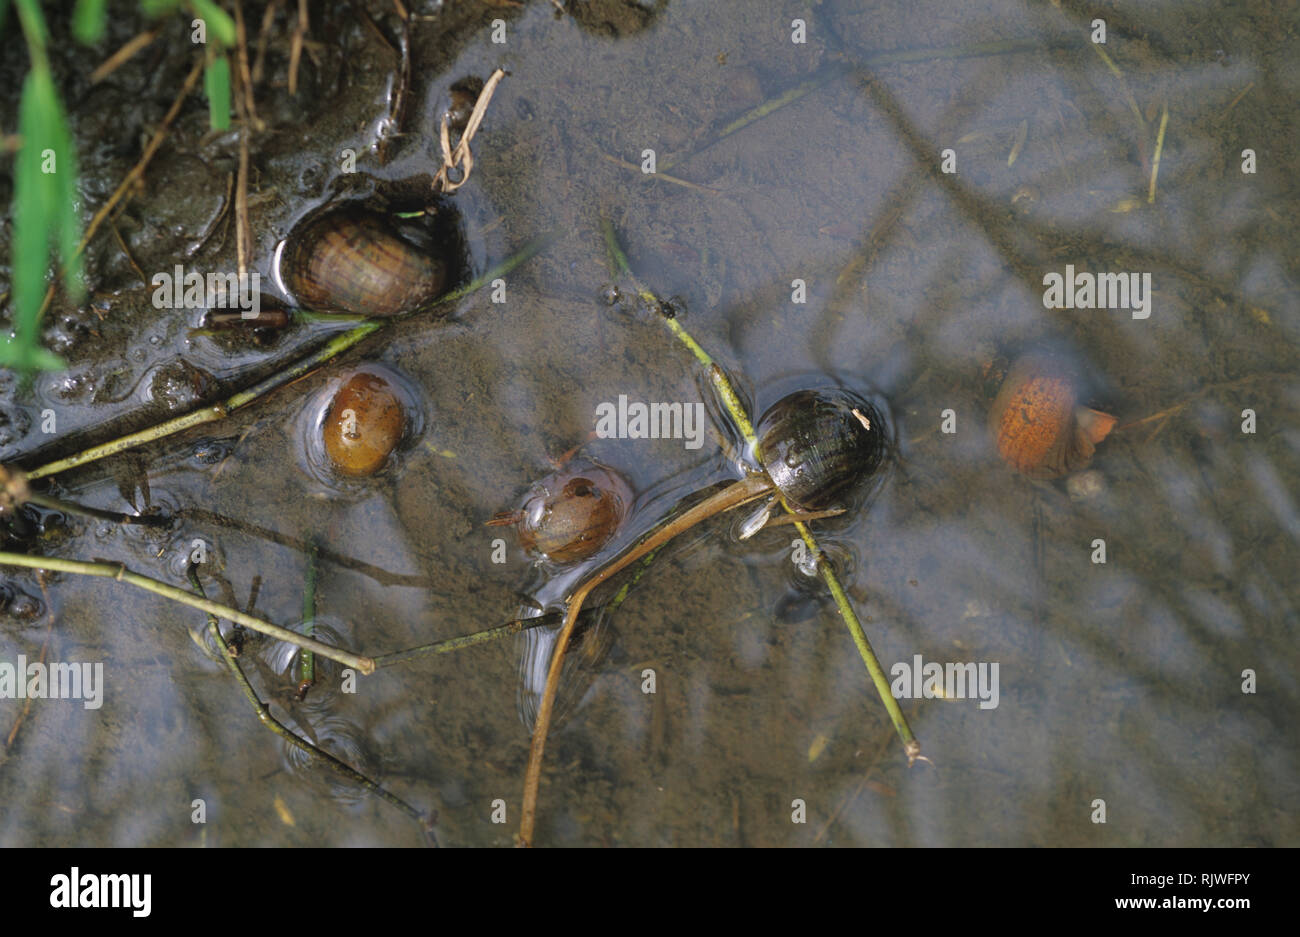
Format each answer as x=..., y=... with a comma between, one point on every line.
x=460, y=104
x=364, y=424
x=822, y=448
x=1038, y=426
x=356, y=261
x=571, y=514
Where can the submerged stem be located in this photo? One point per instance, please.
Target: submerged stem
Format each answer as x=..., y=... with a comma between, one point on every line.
x=514, y=626
x=469, y=640
x=741, y=492
x=85, y=510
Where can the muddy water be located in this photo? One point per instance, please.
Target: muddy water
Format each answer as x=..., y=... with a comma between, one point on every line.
x=1120, y=682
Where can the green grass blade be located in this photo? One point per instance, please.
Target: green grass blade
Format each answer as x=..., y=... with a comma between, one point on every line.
x=38, y=215
x=220, y=25
x=216, y=83
x=34, y=31
x=158, y=7
x=67, y=217
x=89, y=18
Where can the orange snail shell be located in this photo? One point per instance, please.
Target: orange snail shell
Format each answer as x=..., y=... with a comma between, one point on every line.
x=1037, y=424
x=364, y=424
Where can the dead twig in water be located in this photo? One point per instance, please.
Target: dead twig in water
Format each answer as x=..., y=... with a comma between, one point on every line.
x=295, y=45
x=740, y=493
x=461, y=159
x=380, y=575
x=247, y=119
x=268, y=17
x=57, y=504
x=661, y=175
x=1155, y=158
x=857, y=791
x=1237, y=100
x=245, y=73
x=126, y=252
x=1162, y=417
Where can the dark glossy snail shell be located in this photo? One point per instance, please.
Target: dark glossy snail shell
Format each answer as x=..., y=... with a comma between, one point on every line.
x=364, y=424
x=459, y=107
x=354, y=260
x=569, y=515
x=1036, y=421
x=822, y=448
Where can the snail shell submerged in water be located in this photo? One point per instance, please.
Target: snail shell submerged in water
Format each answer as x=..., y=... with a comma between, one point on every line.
x=364, y=424
x=354, y=260
x=1036, y=421
x=571, y=514
x=822, y=448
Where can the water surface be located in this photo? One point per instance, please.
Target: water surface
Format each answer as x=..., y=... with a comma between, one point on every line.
x=1120, y=682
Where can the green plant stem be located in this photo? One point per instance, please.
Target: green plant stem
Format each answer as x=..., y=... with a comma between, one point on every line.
x=464, y=641
x=29, y=17
x=327, y=352
x=522, y=256
x=211, y=413
x=732, y=401
x=119, y=572
x=910, y=745
x=264, y=714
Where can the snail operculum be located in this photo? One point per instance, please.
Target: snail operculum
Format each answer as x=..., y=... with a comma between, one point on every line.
x=822, y=448
x=756, y=520
x=356, y=260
